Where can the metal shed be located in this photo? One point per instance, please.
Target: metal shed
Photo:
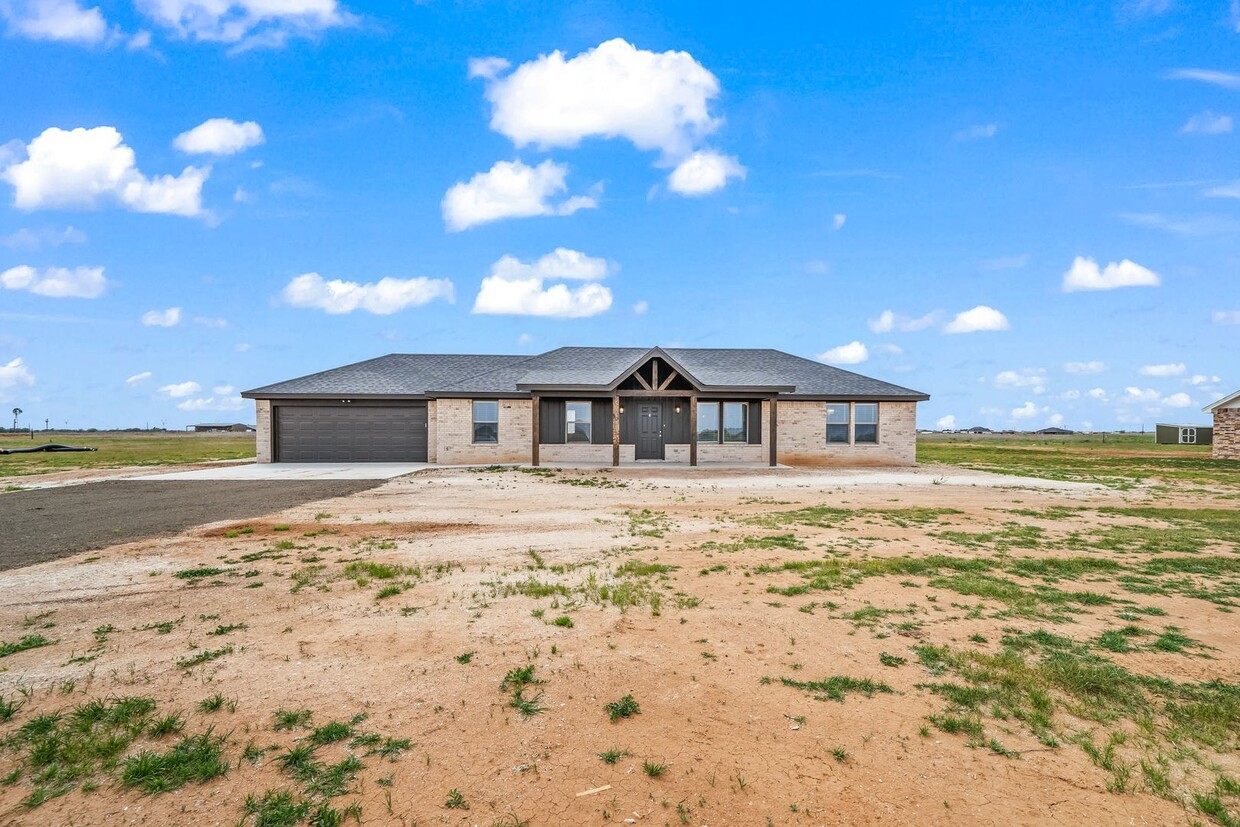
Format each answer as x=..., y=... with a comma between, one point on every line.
x=1166, y=434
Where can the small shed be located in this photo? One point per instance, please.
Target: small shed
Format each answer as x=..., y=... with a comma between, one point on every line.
x=1226, y=413
x=219, y=427
x=1165, y=434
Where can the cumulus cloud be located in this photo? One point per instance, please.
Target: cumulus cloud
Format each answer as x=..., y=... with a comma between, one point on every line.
x=487, y=67
x=60, y=20
x=1207, y=123
x=138, y=378
x=837, y=221
x=212, y=403
x=1028, y=411
x=219, y=136
x=640, y=308
x=887, y=347
x=1084, y=274
x=1034, y=378
x=13, y=375
x=888, y=321
x=1169, y=369
x=1198, y=379
x=162, y=318
x=615, y=90
x=384, y=297
x=1099, y=394
x=181, y=389
x=510, y=189
x=34, y=239
x=79, y=168
x=703, y=172
x=1070, y=394
x=980, y=318
x=1145, y=395
x=978, y=132
x=1084, y=368
x=1225, y=317
x=517, y=288
x=853, y=353
x=946, y=423
x=1178, y=400
x=56, y=282
x=246, y=23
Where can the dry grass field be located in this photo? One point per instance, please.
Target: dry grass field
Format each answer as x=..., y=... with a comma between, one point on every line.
x=501, y=646
x=119, y=449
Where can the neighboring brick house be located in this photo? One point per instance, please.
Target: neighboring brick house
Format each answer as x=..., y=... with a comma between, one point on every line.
x=589, y=405
x=1226, y=427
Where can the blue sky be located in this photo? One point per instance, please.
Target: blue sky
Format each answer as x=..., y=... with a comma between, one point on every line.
x=1032, y=214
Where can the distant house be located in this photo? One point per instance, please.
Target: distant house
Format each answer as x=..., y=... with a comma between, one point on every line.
x=1165, y=434
x=978, y=429
x=219, y=427
x=589, y=405
x=1226, y=426
x=1054, y=432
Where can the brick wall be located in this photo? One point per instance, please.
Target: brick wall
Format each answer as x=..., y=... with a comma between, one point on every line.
x=582, y=452
x=454, y=433
x=1226, y=434
x=802, y=436
x=709, y=452
x=262, y=424
x=432, y=430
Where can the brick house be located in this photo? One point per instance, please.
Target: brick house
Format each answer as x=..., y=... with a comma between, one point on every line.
x=589, y=405
x=1226, y=427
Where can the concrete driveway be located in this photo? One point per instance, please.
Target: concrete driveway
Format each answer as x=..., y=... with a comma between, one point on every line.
x=294, y=471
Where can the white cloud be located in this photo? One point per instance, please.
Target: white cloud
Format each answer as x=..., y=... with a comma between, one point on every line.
x=946, y=423
x=1027, y=411
x=222, y=390
x=1231, y=190
x=247, y=23
x=1099, y=394
x=516, y=288
x=1084, y=368
x=1178, y=400
x=219, y=136
x=488, y=67
x=837, y=221
x=1070, y=394
x=1085, y=275
x=80, y=167
x=980, y=318
x=1212, y=76
x=888, y=321
x=28, y=239
x=640, y=308
x=384, y=297
x=61, y=20
x=655, y=100
x=1170, y=369
x=207, y=321
x=510, y=189
x=978, y=132
x=138, y=378
x=887, y=347
x=13, y=374
x=1202, y=379
x=1055, y=419
x=213, y=403
x=1207, y=123
x=1146, y=395
x=162, y=318
x=181, y=389
x=1225, y=317
x=853, y=353
x=1192, y=225
x=56, y=282
x=1034, y=378
x=703, y=172
x=242, y=347
x=524, y=339
x=140, y=40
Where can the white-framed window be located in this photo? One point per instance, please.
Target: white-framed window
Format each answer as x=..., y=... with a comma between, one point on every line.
x=839, y=415
x=1188, y=436
x=865, y=422
x=735, y=421
x=486, y=421
x=578, y=423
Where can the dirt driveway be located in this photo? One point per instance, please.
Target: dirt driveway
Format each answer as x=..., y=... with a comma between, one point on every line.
x=46, y=524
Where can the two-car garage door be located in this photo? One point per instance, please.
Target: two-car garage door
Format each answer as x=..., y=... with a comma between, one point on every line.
x=351, y=433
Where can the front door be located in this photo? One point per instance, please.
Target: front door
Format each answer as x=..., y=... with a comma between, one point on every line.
x=649, y=431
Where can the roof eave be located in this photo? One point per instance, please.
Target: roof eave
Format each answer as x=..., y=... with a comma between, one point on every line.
x=259, y=393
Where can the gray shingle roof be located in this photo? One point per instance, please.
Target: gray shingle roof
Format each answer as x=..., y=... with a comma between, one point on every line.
x=584, y=367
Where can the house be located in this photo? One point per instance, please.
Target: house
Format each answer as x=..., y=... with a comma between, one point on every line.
x=216, y=427
x=1226, y=427
x=1055, y=432
x=589, y=405
x=1165, y=434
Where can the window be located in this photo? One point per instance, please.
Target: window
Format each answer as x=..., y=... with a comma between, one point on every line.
x=486, y=422
x=1188, y=436
x=865, y=417
x=577, y=424
x=708, y=422
x=837, y=422
x=734, y=422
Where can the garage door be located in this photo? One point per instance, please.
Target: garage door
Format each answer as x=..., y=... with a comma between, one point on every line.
x=351, y=433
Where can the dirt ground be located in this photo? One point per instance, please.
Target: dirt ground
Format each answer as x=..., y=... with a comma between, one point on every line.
x=480, y=567
x=45, y=524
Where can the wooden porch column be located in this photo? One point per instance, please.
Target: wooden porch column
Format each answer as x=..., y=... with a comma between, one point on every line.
x=537, y=402
x=693, y=429
x=615, y=431
x=774, y=432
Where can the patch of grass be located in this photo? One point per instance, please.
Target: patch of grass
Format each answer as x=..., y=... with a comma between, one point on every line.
x=27, y=642
x=277, y=808
x=564, y=621
x=205, y=656
x=388, y=591
x=647, y=523
x=891, y=660
x=465, y=657
x=194, y=758
x=626, y=707
x=370, y=570
x=636, y=568
x=653, y=769
x=9, y=708
x=611, y=756
x=199, y=573
x=836, y=687
x=785, y=541
x=330, y=733
x=456, y=800
x=227, y=629
x=287, y=719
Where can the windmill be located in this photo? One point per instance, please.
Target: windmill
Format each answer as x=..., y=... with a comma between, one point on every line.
x=16, y=413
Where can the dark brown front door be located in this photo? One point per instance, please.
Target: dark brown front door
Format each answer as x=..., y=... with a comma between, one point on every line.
x=649, y=431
